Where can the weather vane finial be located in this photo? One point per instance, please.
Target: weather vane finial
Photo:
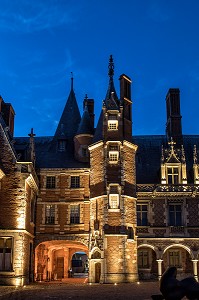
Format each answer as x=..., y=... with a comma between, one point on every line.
x=111, y=67
x=71, y=80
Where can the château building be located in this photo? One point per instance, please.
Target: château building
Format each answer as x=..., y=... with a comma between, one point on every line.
x=102, y=201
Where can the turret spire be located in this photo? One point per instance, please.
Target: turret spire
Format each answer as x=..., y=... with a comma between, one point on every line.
x=111, y=67
x=111, y=100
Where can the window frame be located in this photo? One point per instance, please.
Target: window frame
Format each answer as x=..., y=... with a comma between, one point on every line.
x=172, y=176
x=4, y=259
x=173, y=220
x=175, y=258
x=112, y=125
x=50, y=182
x=114, y=192
x=50, y=214
x=113, y=156
x=142, y=212
x=114, y=204
x=142, y=257
x=74, y=181
x=75, y=214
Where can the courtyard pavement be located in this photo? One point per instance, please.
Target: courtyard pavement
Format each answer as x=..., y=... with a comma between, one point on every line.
x=79, y=289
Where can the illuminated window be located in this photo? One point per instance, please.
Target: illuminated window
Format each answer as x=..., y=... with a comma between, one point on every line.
x=142, y=214
x=173, y=175
x=113, y=201
x=113, y=197
x=143, y=259
x=50, y=182
x=74, y=214
x=50, y=214
x=113, y=156
x=112, y=122
x=175, y=215
x=75, y=182
x=113, y=153
x=5, y=254
x=175, y=258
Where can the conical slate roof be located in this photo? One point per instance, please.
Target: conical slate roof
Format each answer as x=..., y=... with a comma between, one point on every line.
x=85, y=126
x=70, y=118
x=98, y=136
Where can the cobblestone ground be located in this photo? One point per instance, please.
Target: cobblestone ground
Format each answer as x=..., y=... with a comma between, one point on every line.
x=77, y=290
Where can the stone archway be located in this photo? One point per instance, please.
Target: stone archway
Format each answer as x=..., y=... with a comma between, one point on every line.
x=53, y=259
x=181, y=257
x=95, y=265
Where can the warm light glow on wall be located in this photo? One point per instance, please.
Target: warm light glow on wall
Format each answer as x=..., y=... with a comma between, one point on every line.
x=1, y=174
x=21, y=219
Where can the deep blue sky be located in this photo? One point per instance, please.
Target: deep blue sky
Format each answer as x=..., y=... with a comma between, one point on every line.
x=155, y=42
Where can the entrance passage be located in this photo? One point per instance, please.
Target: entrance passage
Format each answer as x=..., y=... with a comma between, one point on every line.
x=61, y=259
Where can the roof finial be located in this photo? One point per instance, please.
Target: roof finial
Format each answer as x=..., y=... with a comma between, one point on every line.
x=71, y=80
x=111, y=67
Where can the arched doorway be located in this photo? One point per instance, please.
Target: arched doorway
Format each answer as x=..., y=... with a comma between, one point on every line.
x=147, y=263
x=79, y=264
x=95, y=265
x=53, y=259
x=179, y=256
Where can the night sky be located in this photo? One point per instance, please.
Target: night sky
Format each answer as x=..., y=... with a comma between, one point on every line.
x=154, y=42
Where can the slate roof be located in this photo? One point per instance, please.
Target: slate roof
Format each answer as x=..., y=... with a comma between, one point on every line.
x=148, y=157
x=47, y=154
x=70, y=118
x=85, y=126
x=98, y=136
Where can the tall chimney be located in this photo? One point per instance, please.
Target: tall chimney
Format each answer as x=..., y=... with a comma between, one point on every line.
x=173, y=125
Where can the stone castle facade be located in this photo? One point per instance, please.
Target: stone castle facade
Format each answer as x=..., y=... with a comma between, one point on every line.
x=129, y=203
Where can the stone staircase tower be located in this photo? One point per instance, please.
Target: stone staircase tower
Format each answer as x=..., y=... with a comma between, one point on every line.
x=113, y=243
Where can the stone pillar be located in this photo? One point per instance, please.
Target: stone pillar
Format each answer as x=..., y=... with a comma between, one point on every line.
x=195, y=270
x=159, y=261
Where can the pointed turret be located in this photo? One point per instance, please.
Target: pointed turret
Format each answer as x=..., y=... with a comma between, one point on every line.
x=85, y=126
x=70, y=118
x=84, y=136
x=111, y=101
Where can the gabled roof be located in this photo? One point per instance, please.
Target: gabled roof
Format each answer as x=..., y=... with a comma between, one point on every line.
x=70, y=118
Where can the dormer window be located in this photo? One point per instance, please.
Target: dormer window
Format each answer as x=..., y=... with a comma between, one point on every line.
x=173, y=175
x=113, y=153
x=114, y=202
x=61, y=145
x=173, y=165
x=112, y=122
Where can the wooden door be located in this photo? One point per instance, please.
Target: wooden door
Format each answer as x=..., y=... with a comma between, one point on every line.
x=60, y=267
x=97, y=272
